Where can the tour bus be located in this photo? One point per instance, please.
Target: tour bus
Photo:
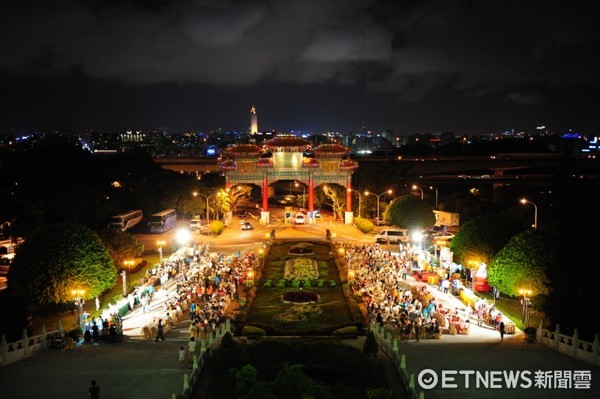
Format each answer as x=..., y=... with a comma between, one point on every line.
x=163, y=221
x=126, y=220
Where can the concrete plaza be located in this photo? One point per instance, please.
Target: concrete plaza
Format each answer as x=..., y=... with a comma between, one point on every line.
x=139, y=368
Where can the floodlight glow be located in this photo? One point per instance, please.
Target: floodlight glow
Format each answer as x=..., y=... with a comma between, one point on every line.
x=183, y=236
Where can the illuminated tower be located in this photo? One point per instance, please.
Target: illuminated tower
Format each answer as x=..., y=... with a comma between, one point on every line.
x=253, y=121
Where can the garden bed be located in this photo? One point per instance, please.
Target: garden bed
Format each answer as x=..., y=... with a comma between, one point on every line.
x=331, y=311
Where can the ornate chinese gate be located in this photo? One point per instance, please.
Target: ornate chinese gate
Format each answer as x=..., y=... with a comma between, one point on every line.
x=290, y=158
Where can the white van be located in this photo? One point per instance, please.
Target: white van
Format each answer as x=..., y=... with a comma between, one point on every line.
x=394, y=236
x=199, y=227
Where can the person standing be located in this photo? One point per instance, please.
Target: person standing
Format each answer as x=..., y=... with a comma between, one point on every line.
x=94, y=390
x=193, y=330
x=192, y=348
x=501, y=328
x=160, y=331
x=181, y=354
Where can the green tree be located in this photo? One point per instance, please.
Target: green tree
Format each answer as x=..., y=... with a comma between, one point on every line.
x=409, y=212
x=55, y=259
x=121, y=245
x=522, y=264
x=292, y=383
x=480, y=239
x=337, y=197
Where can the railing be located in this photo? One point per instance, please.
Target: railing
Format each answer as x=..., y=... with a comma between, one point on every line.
x=25, y=347
x=206, y=344
x=570, y=345
x=389, y=344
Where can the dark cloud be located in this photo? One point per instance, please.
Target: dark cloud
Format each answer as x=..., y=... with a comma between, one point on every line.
x=518, y=51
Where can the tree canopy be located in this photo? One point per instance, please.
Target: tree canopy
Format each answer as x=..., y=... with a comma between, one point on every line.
x=482, y=237
x=55, y=259
x=522, y=264
x=121, y=245
x=409, y=212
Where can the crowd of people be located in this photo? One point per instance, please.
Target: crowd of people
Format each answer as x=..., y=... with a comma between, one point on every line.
x=409, y=310
x=205, y=285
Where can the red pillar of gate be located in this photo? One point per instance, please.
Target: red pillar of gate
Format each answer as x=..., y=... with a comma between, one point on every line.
x=265, y=194
x=311, y=195
x=348, y=197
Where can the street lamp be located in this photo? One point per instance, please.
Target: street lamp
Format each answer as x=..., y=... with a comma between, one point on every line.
x=526, y=302
x=303, y=192
x=436, y=195
x=183, y=236
x=207, y=207
x=418, y=237
x=524, y=201
x=378, y=197
x=415, y=187
x=127, y=263
x=78, y=295
x=359, y=199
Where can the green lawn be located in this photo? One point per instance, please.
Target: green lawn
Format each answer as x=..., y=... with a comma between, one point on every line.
x=268, y=309
x=513, y=309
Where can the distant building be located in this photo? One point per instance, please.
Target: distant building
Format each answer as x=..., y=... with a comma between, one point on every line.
x=253, y=121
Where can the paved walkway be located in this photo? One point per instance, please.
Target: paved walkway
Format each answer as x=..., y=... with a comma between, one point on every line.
x=146, y=369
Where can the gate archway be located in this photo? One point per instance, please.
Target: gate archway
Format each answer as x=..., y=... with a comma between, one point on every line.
x=290, y=158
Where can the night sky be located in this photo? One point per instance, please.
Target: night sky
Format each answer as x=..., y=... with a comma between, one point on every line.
x=468, y=67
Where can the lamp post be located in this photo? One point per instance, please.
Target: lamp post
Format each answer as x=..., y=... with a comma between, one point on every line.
x=78, y=295
x=436, y=195
x=418, y=237
x=206, y=198
x=525, y=201
x=526, y=301
x=378, y=197
x=303, y=193
x=415, y=187
x=359, y=199
x=127, y=263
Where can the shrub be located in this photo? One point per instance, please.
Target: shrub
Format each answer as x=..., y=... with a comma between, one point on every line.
x=307, y=283
x=281, y=283
x=364, y=225
x=268, y=284
x=295, y=284
x=320, y=283
x=227, y=341
x=216, y=227
x=250, y=331
x=331, y=283
x=117, y=298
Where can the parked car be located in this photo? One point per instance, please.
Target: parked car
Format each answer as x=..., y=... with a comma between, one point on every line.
x=299, y=219
x=379, y=221
x=317, y=214
x=198, y=226
x=247, y=226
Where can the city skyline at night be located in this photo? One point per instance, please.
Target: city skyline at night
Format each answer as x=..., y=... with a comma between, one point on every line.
x=411, y=67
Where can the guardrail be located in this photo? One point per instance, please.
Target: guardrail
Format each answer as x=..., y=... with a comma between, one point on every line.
x=389, y=345
x=570, y=345
x=206, y=344
x=25, y=347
